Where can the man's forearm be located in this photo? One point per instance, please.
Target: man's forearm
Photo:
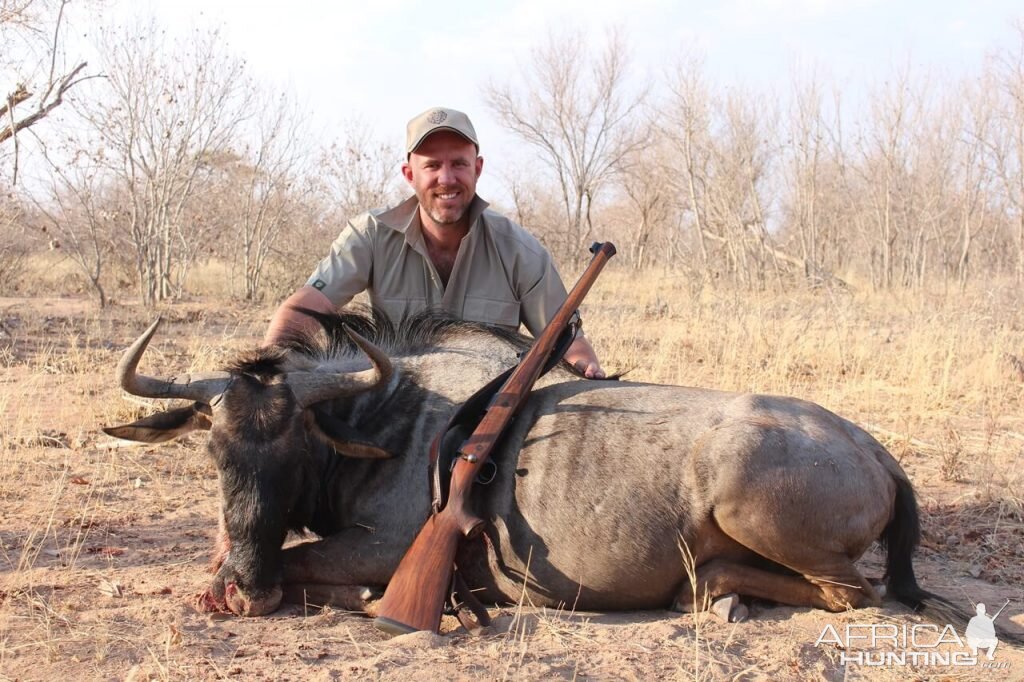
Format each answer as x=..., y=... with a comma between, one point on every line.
x=287, y=320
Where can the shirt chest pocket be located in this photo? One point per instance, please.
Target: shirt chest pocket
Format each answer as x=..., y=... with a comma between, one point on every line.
x=400, y=308
x=491, y=311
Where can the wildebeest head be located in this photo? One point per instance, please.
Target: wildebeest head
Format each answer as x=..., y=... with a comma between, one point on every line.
x=263, y=413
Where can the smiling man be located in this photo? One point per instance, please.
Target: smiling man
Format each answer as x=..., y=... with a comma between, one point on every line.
x=440, y=249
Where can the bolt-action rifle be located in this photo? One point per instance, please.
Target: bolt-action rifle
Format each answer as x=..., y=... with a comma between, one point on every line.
x=416, y=594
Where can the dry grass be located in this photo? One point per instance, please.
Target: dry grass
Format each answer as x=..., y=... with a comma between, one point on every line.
x=101, y=548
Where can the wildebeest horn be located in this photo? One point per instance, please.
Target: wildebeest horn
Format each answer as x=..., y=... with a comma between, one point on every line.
x=312, y=387
x=201, y=387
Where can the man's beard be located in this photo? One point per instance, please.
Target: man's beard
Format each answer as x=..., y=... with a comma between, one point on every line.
x=446, y=216
x=437, y=216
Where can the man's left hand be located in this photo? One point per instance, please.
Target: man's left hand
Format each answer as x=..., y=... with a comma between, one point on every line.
x=581, y=355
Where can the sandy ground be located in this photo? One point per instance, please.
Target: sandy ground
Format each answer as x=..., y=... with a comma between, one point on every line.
x=104, y=548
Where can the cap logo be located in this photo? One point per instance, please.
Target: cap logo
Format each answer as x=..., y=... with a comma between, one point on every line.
x=437, y=116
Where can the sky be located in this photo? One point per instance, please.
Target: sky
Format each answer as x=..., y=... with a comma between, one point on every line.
x=383, y=61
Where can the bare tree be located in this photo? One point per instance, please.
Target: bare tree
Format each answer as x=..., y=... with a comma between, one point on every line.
x=649, y=196
x=813, y=168
x=578, y=111
x=31, y=45
x=955, y=175
x=360, y=173
x=687, y=126
x=742, y=160
x=884, y=170
x=164, y=110
x=725, y=150
x=80, y=216
x=257, y=190
x=535, y=205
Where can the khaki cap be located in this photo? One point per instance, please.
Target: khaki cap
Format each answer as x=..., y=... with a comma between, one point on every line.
x=434, y=119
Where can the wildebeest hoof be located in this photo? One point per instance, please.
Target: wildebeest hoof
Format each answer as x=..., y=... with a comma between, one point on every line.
x=682, y=605
x=729, y=608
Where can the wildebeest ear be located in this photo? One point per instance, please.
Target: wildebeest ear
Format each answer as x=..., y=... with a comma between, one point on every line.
x=164, y=426
x=346, y=439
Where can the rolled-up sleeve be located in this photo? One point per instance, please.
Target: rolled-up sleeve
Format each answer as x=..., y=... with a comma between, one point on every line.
x=541, y=300
x=347, y=269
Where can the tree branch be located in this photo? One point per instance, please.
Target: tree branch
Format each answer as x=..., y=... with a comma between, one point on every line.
x=44, y=109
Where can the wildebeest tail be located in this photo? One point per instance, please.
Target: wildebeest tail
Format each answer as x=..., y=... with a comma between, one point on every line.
x=900, y=539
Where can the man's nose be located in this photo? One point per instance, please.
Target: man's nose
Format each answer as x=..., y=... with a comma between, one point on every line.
x=447, y=175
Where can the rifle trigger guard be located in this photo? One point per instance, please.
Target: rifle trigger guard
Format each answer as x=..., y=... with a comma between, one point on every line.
x=488, y=470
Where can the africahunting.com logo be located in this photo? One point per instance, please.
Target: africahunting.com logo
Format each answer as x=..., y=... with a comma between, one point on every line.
x=924, y=644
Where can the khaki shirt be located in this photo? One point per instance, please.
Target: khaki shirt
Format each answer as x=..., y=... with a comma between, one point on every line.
x=502, y=275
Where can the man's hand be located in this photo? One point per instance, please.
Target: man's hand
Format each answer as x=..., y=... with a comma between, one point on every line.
x=581, y=355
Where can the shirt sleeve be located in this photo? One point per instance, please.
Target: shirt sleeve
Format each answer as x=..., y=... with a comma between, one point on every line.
x=540, y=301
x=347, y=269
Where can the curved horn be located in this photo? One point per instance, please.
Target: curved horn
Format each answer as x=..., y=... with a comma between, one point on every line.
x=313, y=387
x=202, y=387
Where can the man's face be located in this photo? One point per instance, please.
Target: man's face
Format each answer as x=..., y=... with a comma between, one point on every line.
x=443, y=172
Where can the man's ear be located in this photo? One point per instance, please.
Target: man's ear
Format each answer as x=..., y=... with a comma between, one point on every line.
x=344, y=438
x=164, y=426
x=407, y=172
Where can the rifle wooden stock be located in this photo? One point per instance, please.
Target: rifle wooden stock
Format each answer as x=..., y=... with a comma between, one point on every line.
x=415, y=596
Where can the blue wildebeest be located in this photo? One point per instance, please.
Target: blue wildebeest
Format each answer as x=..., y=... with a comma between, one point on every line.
x=599, y=484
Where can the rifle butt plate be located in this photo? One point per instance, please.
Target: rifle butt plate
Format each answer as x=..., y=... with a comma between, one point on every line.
x=393, y=627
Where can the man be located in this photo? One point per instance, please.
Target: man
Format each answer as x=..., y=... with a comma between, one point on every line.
x=439, y=249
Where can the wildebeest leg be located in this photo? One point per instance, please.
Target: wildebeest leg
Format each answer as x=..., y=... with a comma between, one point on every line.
x=823, y=576
x=813, y=520
x=345, y=570
x=843, y=589
x=346, y=597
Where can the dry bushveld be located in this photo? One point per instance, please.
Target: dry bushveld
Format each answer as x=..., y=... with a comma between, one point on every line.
x=103, y=547
x=864, y=252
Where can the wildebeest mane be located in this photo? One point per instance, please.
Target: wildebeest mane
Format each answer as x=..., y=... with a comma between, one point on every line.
x=416, y=333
